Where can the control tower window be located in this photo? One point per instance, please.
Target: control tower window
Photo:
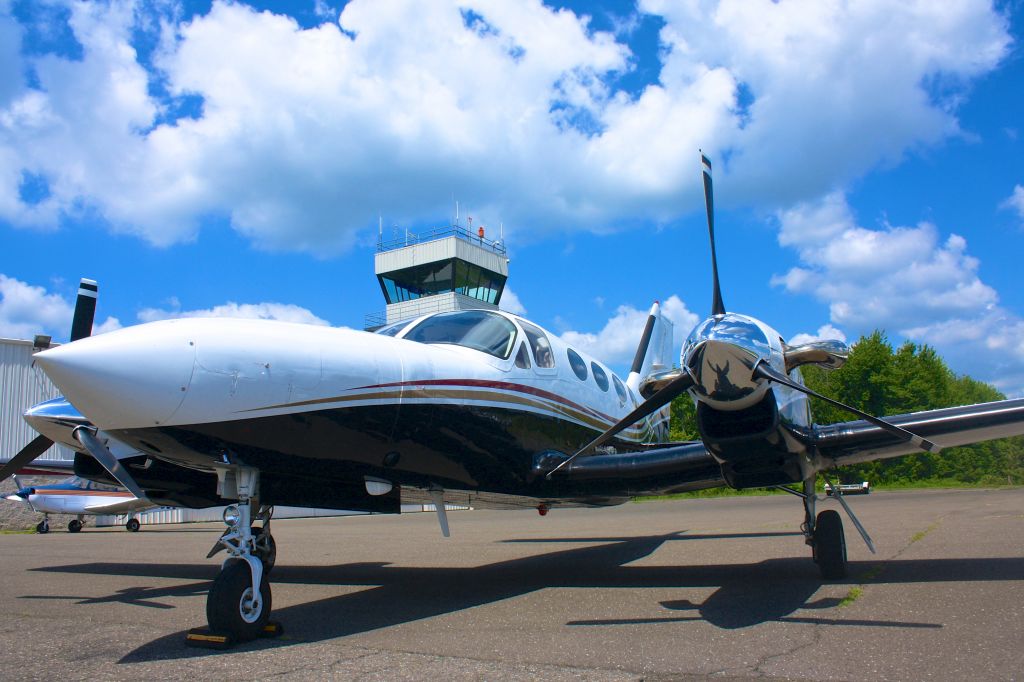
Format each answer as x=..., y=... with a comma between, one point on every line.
x=599, y=376
x=539, y=344
x=579, y=366
x=477, y=329
x=440, y=277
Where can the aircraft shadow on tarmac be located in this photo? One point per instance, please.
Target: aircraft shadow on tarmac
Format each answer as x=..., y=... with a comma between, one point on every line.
x=746, y=594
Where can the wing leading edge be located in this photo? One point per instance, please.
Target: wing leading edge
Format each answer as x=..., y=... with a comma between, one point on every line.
x=858, y=441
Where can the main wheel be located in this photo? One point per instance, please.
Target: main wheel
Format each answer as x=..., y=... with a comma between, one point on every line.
x=74, y=526
x=830, y=545
x=43, y=526
x=265, y=551
x=132, y=525
x=230, y=607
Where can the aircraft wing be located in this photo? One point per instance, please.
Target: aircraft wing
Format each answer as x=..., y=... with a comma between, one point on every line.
x=47, y=469
x=119, y=507
x=859, y=441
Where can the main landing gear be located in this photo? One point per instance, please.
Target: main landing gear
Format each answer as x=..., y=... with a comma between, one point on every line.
x=238, y=604
x=132, y=525
x=75, y=525
x=824, y=533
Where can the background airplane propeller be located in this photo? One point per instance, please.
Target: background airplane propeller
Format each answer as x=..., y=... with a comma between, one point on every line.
x=81, y=326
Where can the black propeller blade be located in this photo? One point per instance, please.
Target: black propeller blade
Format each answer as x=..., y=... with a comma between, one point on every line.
x=28, y=453
x=674, y=388
x=85, y=309
x=764, y=371
x=717, y=306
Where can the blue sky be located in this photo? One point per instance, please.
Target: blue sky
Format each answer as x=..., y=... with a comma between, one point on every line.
x=233, y=159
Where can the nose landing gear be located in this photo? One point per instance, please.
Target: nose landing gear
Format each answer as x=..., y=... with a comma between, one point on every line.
x=238, y=604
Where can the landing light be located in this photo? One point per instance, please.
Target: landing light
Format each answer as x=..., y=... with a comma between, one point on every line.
x=231, y=515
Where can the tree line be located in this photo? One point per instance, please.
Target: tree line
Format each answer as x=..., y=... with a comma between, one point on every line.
x=881, y=380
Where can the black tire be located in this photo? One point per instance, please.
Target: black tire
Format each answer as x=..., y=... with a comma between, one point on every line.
x=43, y=527
x=74, y=526
x=227, y=600
x=133, y=525
x=267, y=556
x=830, y=545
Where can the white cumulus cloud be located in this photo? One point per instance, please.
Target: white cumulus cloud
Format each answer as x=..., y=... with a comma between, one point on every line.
x=284, y=312
x=1016, y=201
x=909, y=280
x=617, y=341
x=300, y=135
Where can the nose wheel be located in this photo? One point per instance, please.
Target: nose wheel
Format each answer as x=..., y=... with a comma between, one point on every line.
x=43, y=526
x=239, y=601
x=234, y=607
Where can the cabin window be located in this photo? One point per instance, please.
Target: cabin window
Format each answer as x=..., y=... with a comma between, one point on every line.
x=539, y=344
x=579, y=366
x=620, y=390
x=599, y=376
x=523, y=357
x=477, y=329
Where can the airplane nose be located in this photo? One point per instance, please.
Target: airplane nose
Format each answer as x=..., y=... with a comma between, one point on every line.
x=132, y=377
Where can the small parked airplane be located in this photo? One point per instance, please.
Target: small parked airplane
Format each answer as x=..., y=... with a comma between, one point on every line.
x=477, y=407
x=80, y=497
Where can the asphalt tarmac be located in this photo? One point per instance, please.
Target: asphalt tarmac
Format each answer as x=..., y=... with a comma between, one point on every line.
x=723, y=588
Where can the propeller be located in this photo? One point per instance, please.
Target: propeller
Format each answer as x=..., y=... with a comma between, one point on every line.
x=827, y=354
x=81, y=326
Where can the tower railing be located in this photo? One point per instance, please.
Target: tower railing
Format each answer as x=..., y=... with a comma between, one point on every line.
x=410, y=238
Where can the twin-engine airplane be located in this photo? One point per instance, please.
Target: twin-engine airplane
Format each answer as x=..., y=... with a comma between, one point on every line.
x=474, y=407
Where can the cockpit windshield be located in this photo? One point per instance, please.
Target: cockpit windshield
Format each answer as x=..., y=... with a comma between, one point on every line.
x=478, y=329
x=393, y=329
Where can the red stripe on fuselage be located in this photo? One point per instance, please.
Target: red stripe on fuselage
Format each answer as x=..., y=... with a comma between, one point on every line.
x=501, y=385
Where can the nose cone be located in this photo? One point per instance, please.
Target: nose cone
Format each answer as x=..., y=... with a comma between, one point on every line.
x=128, y=378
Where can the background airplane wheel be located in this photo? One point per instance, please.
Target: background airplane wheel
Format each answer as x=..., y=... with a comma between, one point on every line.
x=132, y=525
x=830, y=545
x=267, y=554
x=229, y=605
x=43, y=526
x=74, y=526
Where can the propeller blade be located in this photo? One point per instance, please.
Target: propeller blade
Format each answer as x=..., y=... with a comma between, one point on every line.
x=674, y=388
x=87, y=437
x=717, y=306
x=764, y=371
x=38, y=446
x=85, y=309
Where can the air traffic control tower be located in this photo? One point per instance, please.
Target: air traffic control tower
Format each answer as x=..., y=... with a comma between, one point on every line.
x=448, y=268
